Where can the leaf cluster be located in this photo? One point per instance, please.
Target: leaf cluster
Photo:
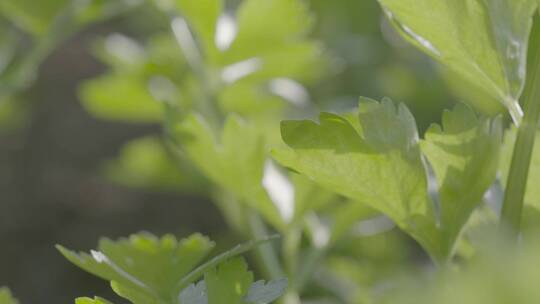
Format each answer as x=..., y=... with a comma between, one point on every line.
x=146, y=269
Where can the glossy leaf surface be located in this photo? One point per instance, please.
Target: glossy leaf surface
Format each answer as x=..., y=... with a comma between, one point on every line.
x=485, y=42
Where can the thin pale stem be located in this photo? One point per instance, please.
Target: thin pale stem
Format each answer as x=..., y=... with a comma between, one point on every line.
x=267, y=253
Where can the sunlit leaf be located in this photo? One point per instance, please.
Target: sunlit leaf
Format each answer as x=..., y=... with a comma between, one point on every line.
x=485, y=42
x=202, y=16
x=377, y=162
x=256, y=22
x=143, y=267
x=282, y=48
x=464, y=153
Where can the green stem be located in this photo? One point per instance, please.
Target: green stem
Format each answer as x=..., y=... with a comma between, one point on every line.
x=266, y=251
x=237, y=250
x=311, y=261
x=192, y=52
x=521, y=157
x=290, y=249
x=291, y=253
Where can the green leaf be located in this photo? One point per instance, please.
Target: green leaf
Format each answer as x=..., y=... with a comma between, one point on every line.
x=237, y=250
x=13, y=114
x=235, y=161
x=33, y=16
x=344, y=216
x=120, y=97
x=6, y=297
x=147, y=163
x=98, y=10
x=143, y=266
x=308, y=196
x=485, y=42
x=147, y=270
x=202, y=16
x=257, y=22
x=374, y=159
x=281, y=48
x=464, y=154
x=135, y=295
x=228, y=283
x=250, y=99
x=96, y=300
x=260, y=292
x=9, y=41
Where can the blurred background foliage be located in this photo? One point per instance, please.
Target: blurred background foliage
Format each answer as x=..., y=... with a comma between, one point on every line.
x=85, y=86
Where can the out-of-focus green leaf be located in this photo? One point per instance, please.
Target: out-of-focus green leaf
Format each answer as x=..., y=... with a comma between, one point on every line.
x=250, y=99
x=96, y=300
x=376, y=161
x=33, y=16
x=234, y=161
x=464, y=153
x=256, y=21
x=258, y=51
x=13, y=114
x=485, y=42
x=308, y=196
x=122, y=53
x=346, y=215
x=8, y=45
x=241, y=78
x=361, y=264
x=6, y=297
x=120, y=97
x=229, y=282
x=146, y=162
x=143, y=268
x=202, y=16
x=281, y=48
x=95, y=10
x=502, y=273
x=141, y=80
